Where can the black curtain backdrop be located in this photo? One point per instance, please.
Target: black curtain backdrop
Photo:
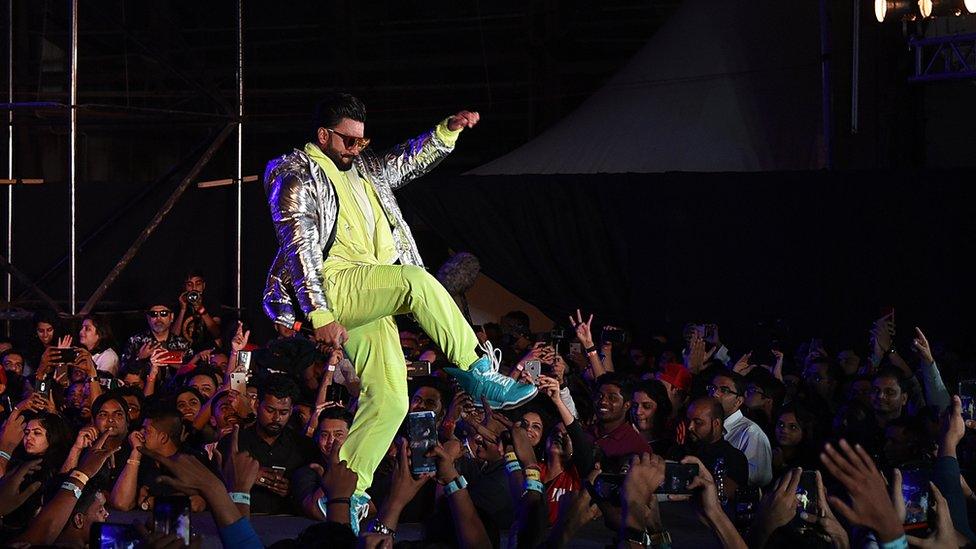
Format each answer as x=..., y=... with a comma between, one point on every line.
x=823, y=250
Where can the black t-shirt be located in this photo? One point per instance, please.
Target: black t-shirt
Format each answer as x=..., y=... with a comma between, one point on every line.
x=290, y=450
x=736, y=464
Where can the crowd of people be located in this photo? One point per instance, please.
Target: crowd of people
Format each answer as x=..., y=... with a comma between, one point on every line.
x=787, y=444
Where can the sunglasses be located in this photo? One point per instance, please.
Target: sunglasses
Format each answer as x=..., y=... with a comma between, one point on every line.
x=157, y=314
x=349, y=141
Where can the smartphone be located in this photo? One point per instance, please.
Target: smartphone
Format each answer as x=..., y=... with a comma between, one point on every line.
x=422, y=436
x=112, y=535
x=915, y=492
x=967, y=394
x=576, y=348
x=244, y=361
x=7, y=404
x=110, y=383
x=808, y=494
x=44, y=388
x=238, y=382
x=418, y=368
x=613, y=335
x=67, y=355
x=171, y=515
x=171, y=357
x=677, y=477
x=533, y=368
x=606, y=488
x=279, y=470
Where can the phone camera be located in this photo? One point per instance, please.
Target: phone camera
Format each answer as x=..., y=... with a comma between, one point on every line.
x=193, y=297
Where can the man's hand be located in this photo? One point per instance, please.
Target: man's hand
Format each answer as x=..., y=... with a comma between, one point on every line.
x=583, y=331
x=333, y=335
x=96, y=456
x=696, y=353
x=86, y=436
x=870, y=506
x=463, y=119
x=742, y=366
x=778, y=507
x=12, y=432
x=549, y=386
x=922, y=347
x=706, y=497
x=461, y=405
x=11, y=496
x=523, y=446
x=239, y=468
x=338, y=480
x=274, y=481
x=85, y=363
x=187, y=474
x=445, y=455
x=945, y=532
x=404, y=487
x=953, y=428
x=147, y=349
x=240, y=338
x=137, y=440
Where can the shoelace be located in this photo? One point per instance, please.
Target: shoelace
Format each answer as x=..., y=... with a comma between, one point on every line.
x=494, y=355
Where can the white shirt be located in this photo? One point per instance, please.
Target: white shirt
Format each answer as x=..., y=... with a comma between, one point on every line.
x=107, y=361
x=744, y=434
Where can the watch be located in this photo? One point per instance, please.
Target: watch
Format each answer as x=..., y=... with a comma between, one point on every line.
x=377, y=527
x=640, y=537
x=660, y=539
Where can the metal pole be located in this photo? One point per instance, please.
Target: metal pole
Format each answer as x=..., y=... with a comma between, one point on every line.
x=855, y=65
x=72, y=140
x=240, y=154
x=825, y=86
x=10, y=153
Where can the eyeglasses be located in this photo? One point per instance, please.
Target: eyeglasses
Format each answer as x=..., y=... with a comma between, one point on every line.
x=157, y=314
x=349, y=141
x=712, y=389
x=753, y=390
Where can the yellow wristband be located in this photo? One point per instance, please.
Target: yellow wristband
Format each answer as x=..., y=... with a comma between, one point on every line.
x=532, y=474
x=510, y=456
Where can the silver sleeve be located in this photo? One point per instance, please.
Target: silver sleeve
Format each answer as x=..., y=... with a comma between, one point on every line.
x=277, y=302
x=414, y=158
x=293, y=212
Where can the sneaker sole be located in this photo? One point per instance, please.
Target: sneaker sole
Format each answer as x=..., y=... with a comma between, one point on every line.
x=517, y=403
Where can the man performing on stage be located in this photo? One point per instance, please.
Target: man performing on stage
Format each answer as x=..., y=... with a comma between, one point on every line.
x=350, y=261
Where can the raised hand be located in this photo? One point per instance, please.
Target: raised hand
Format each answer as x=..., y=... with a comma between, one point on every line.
x=403, y=486
x=333, y=335
x=187, y=474
x=945, y=533
x=827, y=520
x=240, y=470
x=147, y=349
x=778, y=507
x=86, y=436
x=461, y=405
x=922, y=347
x=696, y=353
x=64, y=342
x=870, y=505
x=11, y=494
x=96, y=456
x=446, y=455
x=523, y=446
x=584, y=333
x=12, y=431
x=240, y=339
x=742, y=366
x=338, y=480
x=549, y=386
x=644, y=477
x=463, y=119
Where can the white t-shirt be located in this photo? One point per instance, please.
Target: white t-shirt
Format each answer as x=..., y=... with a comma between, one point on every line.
x=107, y=361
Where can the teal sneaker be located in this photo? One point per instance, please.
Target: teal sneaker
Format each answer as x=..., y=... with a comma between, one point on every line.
x=482, y=379
x=358, y=509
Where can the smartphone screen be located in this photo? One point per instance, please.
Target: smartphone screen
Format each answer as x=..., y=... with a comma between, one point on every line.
x=244, y=361
x=44, y=387
x=677, y=477
x=422, y=436
x=606, y=488
x=171, y=515
x=418, y=368
x=333, y=393
x=915, y=492
x=808, y=494
x=110, y=535
x=533, y=368
x=967, y=394
x=67, y=355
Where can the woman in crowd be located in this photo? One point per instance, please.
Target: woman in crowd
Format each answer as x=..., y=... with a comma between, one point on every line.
x=795, y=443
x=96, y=336
x=650, y=408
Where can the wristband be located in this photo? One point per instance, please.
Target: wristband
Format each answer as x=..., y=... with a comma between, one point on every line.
x=79, y=476
x=590, y=349
x=133, y=461
x=533, y=474
x=510, y=456
x=533, y=485
x=512, y=466
x=4, y=455
x=72, y=488
x=240, y=497
x=897, y=543
x=457, y=484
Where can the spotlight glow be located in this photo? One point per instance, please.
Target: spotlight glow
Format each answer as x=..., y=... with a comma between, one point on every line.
x=925, y=6
x=970, y=6
x=881, y=8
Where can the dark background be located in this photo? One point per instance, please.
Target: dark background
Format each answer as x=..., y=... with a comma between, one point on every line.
x=891, y=225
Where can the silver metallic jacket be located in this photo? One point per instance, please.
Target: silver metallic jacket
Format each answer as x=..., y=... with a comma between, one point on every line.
x=305, y=208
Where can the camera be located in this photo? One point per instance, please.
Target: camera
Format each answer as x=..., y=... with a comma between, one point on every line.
x=193, y=296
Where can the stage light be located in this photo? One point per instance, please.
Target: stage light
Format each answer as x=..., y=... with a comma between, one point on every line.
x=943, y=8
x=885, y=9
x=970, y=5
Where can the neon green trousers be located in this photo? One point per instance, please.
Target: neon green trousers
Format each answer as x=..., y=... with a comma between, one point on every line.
x=363, y=299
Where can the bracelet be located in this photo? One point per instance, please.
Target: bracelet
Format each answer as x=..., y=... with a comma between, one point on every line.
x=4, y=455
x=590, y=349
x=377, y=527
x=897, y=543
x=532, y=485
x=133, y=461
x=459, y=483
x=240, y=497
x=79, y=476
x=533, y=474
x=69, y=486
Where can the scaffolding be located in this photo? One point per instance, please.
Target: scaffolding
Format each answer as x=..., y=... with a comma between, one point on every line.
x=232, y=122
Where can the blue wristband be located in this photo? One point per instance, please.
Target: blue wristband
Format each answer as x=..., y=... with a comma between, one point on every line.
x=533, y=485
x=4, y=455
x=240, y=497
x=457, y=484
x=70, y=486
x=513, y=466
x=898, y=543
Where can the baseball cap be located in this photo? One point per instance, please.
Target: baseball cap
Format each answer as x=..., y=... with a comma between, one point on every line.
x=676, y=374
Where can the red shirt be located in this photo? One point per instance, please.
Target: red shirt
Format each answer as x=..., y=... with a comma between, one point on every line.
x=566, y=481
x=622, y=441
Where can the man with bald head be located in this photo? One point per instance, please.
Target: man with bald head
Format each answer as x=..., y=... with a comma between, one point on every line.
x=705, y=440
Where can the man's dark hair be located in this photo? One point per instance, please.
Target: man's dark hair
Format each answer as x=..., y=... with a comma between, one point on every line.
x=279, y=386
x=613, y=378
x=894, y=373
x=115, y=395
x=769, y=385
x=167, y=419
x=737, y=380
x=332, y=108
x=195, y=271
x=430, y=381
x=208, y=371
x=215, y=400
x=335, y=413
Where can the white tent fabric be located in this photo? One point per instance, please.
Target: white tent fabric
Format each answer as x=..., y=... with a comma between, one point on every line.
x=724, y=85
